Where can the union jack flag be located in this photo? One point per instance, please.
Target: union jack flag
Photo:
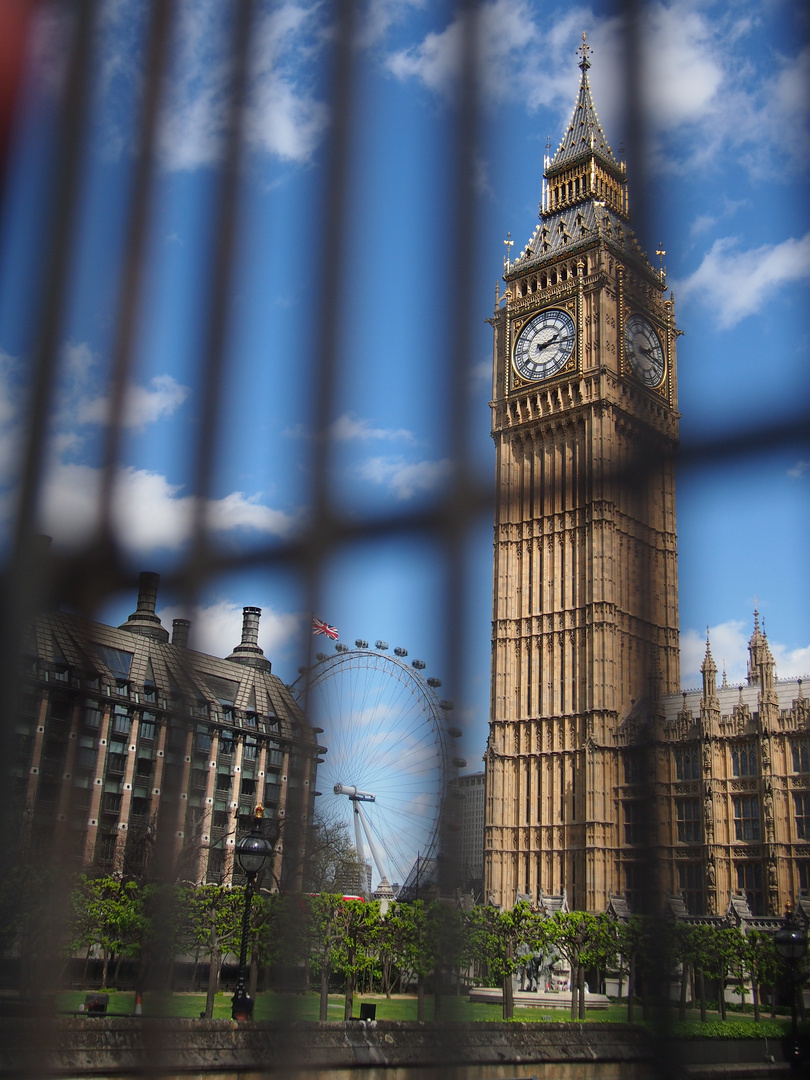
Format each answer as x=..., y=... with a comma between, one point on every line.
x=319, y=627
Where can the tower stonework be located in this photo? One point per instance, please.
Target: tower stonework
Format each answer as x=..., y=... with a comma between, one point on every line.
x=585, y=607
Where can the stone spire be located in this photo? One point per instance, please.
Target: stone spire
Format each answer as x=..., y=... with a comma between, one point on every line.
x=760, y=660
x=584, y=166
x=708, y=670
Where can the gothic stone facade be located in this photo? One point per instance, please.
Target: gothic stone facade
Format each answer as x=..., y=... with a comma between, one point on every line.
x=734, y=789
x=602, y=779
x=126, y=739
x=585, y=613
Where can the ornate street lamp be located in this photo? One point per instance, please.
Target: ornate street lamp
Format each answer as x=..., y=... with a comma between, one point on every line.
x=790, y=941
x=252, y=852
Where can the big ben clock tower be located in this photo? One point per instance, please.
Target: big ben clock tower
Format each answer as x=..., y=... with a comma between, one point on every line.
x=585, y=608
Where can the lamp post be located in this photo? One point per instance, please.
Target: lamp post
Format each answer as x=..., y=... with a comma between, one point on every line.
x=252, y=853
x=790, y=941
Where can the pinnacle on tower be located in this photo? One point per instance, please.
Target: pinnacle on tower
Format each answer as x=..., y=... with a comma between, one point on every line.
x=584, y=135
x=709, y=671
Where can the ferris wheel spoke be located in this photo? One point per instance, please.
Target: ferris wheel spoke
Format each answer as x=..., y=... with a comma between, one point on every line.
x=383, y=729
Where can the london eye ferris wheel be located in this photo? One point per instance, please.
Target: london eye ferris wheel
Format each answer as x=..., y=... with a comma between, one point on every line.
x=389, y=759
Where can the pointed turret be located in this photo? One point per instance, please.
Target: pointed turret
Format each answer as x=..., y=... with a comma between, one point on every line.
x=584, y=166
x=584, y=197
x=708, y=670
x=760, y=660
x=584, y=134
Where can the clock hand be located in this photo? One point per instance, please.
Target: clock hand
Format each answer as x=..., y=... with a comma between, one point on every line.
x=541, y=348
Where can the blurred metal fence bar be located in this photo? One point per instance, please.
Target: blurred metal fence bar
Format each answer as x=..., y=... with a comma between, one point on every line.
x=87, y=578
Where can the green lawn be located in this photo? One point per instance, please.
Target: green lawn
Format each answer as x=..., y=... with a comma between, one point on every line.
x=270, y=1006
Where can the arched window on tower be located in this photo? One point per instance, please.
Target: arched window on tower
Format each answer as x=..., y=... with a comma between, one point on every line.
x=744, y=759
x=801, y=756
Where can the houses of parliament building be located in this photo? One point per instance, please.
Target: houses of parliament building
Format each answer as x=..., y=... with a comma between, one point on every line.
x=602, y=778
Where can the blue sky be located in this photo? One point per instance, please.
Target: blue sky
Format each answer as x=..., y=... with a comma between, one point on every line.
x=726, y=104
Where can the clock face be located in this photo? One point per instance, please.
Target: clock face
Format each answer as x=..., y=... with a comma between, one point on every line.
x=642, y=347
x=545, y=345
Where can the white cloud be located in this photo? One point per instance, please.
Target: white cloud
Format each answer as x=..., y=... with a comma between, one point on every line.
x=142, y=406
x=406, y=479
x=503, y=30
x=217, y=628
x=351, y=428
x=790, y=663
x=734, y=283
x=284, y=118
x=379, y=16
x=147, y=512
x=481, y=371
x=702, y=224
x=729, y=645
x=697, y=80
x=795, y=472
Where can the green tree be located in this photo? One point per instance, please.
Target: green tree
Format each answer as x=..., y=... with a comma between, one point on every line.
x=418, y=947
x=212, y=922
x=720, y=953
x=630, y=937
x=325, y=926
x=391, y=937
x=599, y=951
x=107, y=914
x=353, y=952
x=579, y=937
x=761, y=964
x=495, y=940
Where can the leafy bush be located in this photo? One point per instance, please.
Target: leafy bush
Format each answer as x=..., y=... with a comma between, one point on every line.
x=729, y=1029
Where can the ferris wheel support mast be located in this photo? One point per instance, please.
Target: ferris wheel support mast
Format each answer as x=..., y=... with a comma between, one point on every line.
x=375, y=851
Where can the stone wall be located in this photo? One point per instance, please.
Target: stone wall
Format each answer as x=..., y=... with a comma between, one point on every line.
x=389, y=1050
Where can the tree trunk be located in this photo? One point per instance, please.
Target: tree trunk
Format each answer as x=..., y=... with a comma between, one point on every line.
x=573, y=982
x=773, y=1001
x=117, y=972
x=348, y=997
x=508, y=997
x=684, y=986
x=213, y=976
x=755, y=998
x=420, y=997
x=631, y=988
x=437, y=993
x=104, y=969
x=323, y=1011
x=581, y=992
x=702, y=993
x=721, y=997
x=86, y=965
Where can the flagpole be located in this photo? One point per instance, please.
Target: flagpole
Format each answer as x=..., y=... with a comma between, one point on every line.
x=310, y=636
